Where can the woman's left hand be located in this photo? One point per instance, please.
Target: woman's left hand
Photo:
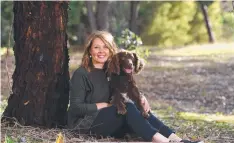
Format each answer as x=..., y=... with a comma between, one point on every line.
x=145, y=104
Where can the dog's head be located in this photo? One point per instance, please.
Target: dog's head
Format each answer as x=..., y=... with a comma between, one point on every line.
x=125, y=61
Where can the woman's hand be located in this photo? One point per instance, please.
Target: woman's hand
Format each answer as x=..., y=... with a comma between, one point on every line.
x=145, y=104
x=102, y=105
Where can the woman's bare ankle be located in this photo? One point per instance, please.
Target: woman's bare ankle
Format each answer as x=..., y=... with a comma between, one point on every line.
x=174, y=137
x=158, y=138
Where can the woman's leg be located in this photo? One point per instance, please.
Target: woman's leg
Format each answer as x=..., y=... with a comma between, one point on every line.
x=156, y=123
x=163, y=129
x=107, y=122
x=141, y=126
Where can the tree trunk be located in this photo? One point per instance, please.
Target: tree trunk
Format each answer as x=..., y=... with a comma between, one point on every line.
x=133, y=16
x=208, y=24
x=91, y=17
x=41, y=78
x=102, y=15
x=233, y=5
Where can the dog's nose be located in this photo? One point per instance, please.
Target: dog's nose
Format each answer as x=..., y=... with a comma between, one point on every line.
x=130, y=63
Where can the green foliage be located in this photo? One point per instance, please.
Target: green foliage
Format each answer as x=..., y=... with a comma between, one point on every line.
x=3, y=106
x=131, y=41
x=118, y=20
x=228, y=25
x=6, y=22
x=198, y=29
x=8, y=139
x=145, y=12
x=170, y=24
x=75, y=12
x=181, y=23
x=207, y=3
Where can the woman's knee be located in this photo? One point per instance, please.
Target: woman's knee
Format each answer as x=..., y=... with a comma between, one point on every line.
x=130, y=106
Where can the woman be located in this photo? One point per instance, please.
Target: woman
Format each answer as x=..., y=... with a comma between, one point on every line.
x=89, y=98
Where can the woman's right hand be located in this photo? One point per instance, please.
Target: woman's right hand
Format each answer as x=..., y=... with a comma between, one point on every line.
x=102, y=105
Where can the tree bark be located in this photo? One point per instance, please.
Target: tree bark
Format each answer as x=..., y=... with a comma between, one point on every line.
x=91, y=16
x=102, y=15
x=207, y=22
x=41, y=78
x=133, y=16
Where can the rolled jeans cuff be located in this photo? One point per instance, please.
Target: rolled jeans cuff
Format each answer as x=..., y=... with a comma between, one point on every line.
x=166, y=131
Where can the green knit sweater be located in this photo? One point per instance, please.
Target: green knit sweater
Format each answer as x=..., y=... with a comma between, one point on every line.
x=86, y=89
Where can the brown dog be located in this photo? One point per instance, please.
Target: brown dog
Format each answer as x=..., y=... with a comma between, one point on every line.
x=123, y=86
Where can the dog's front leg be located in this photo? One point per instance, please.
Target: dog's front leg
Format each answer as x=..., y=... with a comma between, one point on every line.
x=136, y=96
x=118, y=101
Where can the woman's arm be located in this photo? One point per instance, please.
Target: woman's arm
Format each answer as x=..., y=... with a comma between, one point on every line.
x=102, y=105
x=78, y=88
x=145, y=103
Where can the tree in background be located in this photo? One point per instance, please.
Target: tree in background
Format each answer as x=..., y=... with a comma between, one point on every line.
x=119, y=20
x=134, y=7
x=91, y=15
x=169, y=25
x=6, y=22
x=76, y=24
x=179, y=23
x=41, y=78
x=233, y=5
x=98, y=20
x=204, y=7
x=227, y=20
x=198, y=29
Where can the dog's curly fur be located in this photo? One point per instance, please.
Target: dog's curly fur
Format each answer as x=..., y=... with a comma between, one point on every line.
x=123, y=86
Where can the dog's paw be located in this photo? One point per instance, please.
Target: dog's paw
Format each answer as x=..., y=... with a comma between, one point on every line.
x=122, y=111
x=145, y=114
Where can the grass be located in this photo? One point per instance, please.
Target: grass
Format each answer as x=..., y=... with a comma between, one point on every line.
x=190, y=56
x=3, y=106
x=200, y=50
x=207, y=127
x=191, y=126
x=207, y=117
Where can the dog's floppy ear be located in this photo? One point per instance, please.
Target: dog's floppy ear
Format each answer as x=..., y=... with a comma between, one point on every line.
x=113, y=65
x=139, y=63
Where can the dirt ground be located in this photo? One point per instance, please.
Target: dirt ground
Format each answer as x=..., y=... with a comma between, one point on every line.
x=198, y=85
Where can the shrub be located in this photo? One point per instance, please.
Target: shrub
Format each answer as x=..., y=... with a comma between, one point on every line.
x=132, y=42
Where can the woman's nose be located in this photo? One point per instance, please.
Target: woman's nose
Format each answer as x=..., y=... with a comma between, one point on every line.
x=101, y=49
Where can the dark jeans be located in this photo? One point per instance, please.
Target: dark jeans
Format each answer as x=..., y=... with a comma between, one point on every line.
x=109, y=123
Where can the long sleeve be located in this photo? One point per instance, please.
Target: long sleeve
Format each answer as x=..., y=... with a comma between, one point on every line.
x=78, y=92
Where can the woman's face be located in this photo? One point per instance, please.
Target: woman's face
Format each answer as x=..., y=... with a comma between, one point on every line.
x=99, y=52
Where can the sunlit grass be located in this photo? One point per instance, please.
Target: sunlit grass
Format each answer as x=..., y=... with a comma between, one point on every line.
x=207, y=117
x=3, y=51
x=3, y=106
x=200, y=50
x=197, y=126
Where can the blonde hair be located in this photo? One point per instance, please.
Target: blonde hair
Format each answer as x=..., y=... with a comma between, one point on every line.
x=107, y=38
